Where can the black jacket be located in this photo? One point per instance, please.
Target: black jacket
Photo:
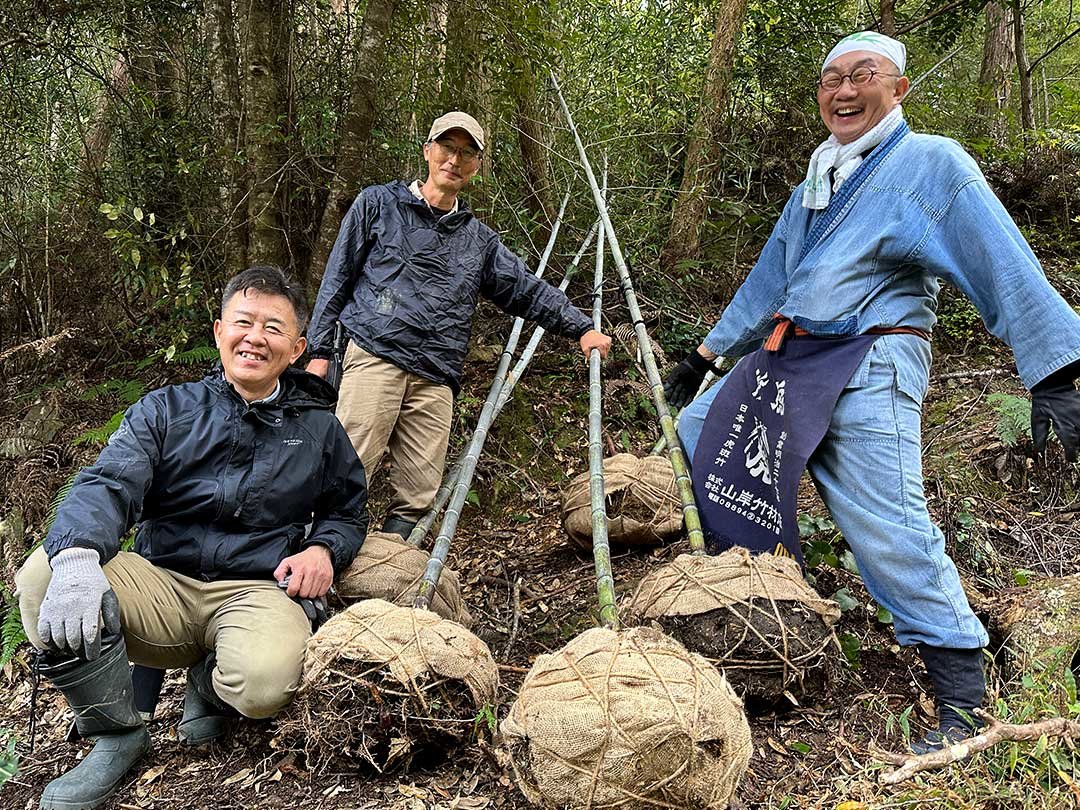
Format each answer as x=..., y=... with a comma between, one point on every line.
x=404, y=282
x=223, y=490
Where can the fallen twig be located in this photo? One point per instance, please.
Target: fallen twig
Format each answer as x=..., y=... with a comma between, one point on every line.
x=996, y=732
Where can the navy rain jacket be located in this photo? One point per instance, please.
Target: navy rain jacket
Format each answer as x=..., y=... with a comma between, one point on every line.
x=404, y=283
x=223, y=489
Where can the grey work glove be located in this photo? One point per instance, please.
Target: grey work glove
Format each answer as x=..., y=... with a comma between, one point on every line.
x=77, y=601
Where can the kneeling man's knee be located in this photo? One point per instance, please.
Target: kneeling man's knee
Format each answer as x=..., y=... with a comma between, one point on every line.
x=259, y=686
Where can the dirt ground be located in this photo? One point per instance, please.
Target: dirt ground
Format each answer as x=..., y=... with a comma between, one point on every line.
x=999, y=512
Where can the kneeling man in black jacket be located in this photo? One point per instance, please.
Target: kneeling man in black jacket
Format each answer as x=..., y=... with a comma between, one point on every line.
x=222, y=477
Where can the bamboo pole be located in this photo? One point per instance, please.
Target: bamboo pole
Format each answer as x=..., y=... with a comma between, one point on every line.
x=423, y=526
x=605, y=581
x=706, y=381
x=667, y=425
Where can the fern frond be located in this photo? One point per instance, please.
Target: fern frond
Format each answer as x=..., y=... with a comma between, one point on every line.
x=130, y=391
x=11, y=629
x=58, y=498
x=1014, y=417
x=100, y=435
x=196, y=356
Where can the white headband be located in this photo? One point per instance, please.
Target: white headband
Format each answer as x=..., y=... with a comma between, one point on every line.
x=873, y=42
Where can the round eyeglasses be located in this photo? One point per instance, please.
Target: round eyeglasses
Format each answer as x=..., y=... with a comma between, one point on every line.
x=467, y=153
x=859, y=76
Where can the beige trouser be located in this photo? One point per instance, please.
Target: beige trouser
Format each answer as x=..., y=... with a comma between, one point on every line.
x=171, y=622
x=385, y=408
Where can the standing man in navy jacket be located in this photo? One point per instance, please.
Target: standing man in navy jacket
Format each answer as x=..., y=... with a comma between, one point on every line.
x=222, y=477
x=404, y=277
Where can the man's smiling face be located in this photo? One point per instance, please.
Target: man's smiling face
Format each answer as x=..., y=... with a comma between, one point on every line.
x=258, y=337
x=448, y=169
x=851, y=110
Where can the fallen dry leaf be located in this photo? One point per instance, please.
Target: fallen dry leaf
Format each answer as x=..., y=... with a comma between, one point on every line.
x=238, y=776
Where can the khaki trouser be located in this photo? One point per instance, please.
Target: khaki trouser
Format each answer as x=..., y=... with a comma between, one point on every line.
x=385, y=408
x=171, y=622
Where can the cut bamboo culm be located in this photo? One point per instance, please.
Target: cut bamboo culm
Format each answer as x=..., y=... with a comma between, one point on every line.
x=423, y=526
x=667, y=425
x=605, y=580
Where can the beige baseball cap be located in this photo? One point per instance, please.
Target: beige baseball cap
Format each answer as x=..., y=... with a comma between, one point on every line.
x=458, y=120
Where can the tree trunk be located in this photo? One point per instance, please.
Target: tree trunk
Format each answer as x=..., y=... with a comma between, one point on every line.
x=430, y=63
x=888, y=18
x=702, y=152
x=219, y=32
x=533, y=142
x=466, y=85
x=1027, y=114
x=265, y=109
x=97, y=138
x=997, y=64
x=356, y=127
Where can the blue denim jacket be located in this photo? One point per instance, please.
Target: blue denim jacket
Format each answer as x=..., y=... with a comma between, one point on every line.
x=924, y=213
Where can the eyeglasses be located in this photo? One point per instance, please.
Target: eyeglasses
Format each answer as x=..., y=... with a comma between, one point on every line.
x=467, y=153
x=859, y=76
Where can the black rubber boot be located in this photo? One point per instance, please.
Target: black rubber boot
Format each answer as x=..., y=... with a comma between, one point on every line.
x=396, y=525
x=959, y=688
x=101, y=695
x=206, y=716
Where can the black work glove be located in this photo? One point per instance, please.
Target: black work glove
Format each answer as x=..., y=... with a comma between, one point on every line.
x=314, y=607
x=685, y=379
x=1055, y=401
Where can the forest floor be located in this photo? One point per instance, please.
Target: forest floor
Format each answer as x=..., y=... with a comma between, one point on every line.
x=1005, y=518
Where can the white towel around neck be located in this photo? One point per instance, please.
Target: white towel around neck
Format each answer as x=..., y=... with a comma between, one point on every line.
x=843, y=160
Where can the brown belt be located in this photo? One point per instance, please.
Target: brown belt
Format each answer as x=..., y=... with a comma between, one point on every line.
x=785, y=328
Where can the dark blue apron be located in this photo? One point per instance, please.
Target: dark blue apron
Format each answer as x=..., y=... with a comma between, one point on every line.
x=770, y=416
x=766, y=421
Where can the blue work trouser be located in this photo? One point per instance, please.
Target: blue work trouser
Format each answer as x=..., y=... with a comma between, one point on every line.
x=868, y=471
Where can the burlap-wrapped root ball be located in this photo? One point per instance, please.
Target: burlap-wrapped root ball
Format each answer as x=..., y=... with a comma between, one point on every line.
x=755, y=616
x=627, y=719
x=389, y=568
x=643, y=506
x=382, y=683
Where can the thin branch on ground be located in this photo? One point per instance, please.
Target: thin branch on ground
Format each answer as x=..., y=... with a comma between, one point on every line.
x=996, y=732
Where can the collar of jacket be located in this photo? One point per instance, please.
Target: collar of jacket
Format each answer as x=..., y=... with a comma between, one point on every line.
x=447, y=222
x=299, y=391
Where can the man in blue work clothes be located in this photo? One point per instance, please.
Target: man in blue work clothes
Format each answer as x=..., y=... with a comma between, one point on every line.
x=222, y=477
x=857, y=256
x=404, y=277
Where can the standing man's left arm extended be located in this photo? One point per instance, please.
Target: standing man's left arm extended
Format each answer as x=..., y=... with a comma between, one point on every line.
x=976, y=245
x=507, y=282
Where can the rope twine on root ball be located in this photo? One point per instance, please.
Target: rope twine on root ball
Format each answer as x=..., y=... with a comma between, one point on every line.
x=754, y=615
x=382, y=683
x=643, y=506
x=389, y=568
x=628, y=719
